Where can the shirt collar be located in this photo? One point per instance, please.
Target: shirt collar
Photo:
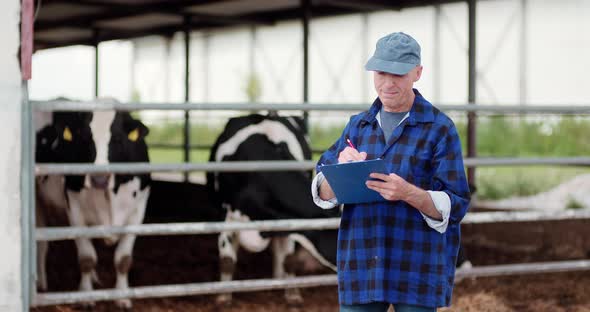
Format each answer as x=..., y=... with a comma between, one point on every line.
x=421, y=111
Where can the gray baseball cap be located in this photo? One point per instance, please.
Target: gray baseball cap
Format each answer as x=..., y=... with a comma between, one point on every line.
x=396, y=53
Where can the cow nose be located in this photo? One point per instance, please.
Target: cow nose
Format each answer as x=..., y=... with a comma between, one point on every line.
x=100, y=181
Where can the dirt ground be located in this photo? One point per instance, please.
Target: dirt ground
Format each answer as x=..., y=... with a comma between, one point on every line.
x=190, y=259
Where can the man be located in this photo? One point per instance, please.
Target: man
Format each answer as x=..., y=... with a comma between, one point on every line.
x=402, y=250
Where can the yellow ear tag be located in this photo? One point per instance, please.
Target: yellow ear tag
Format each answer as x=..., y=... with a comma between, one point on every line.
x=133, y=135
x=67, y=134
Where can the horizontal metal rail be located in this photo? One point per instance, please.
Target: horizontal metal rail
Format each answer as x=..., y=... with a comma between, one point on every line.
x=64, y=233
x=227, y=166
x=276, y=165
x=171, y=146
x=103, y=105
x=46, y=299
x=526, y=216
x=524, y=268
x=527, y=161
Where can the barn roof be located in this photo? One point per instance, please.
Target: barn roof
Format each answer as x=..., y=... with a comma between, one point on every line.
x=70, y=22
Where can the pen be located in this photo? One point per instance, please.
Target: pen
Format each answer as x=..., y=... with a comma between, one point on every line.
x=350, y=143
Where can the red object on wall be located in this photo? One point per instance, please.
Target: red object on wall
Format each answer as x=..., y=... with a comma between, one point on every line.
x=26, y=37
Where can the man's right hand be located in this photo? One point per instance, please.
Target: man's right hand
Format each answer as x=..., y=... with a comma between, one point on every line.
x=349, y=154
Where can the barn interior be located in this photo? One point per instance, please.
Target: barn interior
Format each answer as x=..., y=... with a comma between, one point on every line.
x=63, y=23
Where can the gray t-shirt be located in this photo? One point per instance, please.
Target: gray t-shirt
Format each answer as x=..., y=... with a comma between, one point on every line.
x=390, y=120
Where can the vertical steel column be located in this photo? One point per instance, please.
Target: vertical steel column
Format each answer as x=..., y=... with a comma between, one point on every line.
x=306, y=16
x=205, y=59
x=96, y=64
x=437, y=48
x=187, y=121
x=27, y=187
x=28, y=276
x=132, y=72
x=252, y=51
x=364, y=55
x=471, y=117
x=167, y=61
x=523, y=53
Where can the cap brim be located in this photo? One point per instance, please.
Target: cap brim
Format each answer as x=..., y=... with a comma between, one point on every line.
x=395, y=68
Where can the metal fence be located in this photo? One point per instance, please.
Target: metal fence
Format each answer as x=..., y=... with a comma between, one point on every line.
x=51, y=234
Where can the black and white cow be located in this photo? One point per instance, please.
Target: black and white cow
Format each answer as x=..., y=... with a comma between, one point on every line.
x=269, y=195
x=99, y=137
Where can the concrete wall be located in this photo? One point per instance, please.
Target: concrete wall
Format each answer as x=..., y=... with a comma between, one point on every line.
x=10, y=158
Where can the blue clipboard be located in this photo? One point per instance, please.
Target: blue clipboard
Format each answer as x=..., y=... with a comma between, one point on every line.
x=348, y=180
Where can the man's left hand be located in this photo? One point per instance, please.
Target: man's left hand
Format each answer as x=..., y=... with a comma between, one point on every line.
x=391, y=186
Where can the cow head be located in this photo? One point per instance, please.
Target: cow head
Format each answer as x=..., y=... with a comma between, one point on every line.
x=101, y=137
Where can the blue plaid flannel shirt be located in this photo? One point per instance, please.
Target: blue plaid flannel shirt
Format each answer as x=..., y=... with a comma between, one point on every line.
x=386, y=251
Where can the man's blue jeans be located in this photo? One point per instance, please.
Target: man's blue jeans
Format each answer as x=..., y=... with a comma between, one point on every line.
x=382, y=307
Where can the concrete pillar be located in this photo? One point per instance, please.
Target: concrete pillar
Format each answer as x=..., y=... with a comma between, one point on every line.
x=11, y=291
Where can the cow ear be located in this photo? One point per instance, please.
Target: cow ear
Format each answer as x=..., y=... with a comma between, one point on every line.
x=67, y=134
x=139, y=131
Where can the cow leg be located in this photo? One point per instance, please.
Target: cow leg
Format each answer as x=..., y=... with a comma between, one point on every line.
x=123, y=262
x=228, y=257
x=87, y=261
x=123, y=252
x=284, y=248
x=42, y=248
x=86, y=252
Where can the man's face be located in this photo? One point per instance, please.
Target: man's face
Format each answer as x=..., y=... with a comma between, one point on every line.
x=395, y=91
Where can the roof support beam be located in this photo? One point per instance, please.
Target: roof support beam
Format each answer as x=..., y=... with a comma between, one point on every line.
x=106, y=35
x=471, y=98
x=369, y=5
x=305, y=19
x=228, y=20
x=96, y=64
x=187, y=86
x=91, y=20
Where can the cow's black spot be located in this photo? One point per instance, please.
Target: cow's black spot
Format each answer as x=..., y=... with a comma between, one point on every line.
x=134, y=194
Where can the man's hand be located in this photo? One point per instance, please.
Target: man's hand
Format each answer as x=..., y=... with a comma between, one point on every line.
x=349, y=154
x=393, y=187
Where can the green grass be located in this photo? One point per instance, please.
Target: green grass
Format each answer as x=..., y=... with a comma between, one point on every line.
x=511, y=137
x=502, y=182
x=172, y=133
x=496, y=137
x=159, y=155
x=572, y=203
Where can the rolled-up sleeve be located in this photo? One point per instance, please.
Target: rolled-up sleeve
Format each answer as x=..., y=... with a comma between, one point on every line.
x=315, y=192
x=442, y=203
x=449, y=173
